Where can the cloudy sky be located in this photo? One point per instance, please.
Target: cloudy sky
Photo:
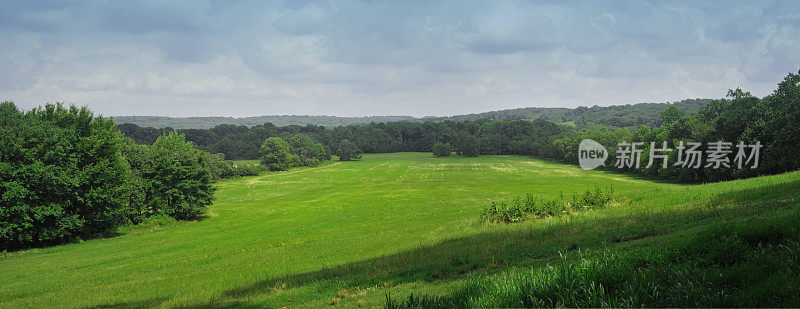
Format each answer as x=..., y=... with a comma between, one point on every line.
x=355, y=58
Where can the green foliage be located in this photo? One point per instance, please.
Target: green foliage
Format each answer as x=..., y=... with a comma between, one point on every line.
x=276, y=155
x=171, y=177
x=671, y=114
x=518, y=209
x=348, y=151
x=308, y=152
x=301, y=150
x=441, y=150
x=466, y=144
x=240, y=139
x=219, y=169
x=776, y=123
x=62, y=175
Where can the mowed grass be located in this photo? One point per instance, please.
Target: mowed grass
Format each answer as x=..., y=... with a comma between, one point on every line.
x=348, y=233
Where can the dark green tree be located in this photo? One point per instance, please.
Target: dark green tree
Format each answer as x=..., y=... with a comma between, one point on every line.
x=441, y=149
x=348, y=151
x=466, y=144
x=671, y=114
x=276, y=154
x=176, y=179
x=62, y=175
x=308, y=152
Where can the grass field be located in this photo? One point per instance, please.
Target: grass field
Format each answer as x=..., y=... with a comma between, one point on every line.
x=348, y=233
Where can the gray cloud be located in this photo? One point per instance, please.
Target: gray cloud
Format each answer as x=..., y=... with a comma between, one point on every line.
x=387, y=57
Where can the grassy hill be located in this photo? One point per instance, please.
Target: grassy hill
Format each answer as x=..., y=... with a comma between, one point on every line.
x=347, y=233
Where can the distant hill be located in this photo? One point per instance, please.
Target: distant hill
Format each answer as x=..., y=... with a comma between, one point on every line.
x=286, y=120
x=615, y=115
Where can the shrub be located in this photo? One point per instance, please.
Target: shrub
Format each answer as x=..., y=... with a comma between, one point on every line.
x=62, y=175
x=530, y=207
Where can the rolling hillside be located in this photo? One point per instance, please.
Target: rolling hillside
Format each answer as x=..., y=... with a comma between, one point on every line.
x=348, y=233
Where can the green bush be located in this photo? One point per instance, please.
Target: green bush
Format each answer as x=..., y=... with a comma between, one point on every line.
x=62, y=175
x=518, y=209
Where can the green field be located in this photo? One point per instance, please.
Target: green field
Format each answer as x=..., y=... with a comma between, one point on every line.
x=347, y=233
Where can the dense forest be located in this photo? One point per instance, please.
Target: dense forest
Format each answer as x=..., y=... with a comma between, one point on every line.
x=617, y=115
x=242, y=141
x=771, y=120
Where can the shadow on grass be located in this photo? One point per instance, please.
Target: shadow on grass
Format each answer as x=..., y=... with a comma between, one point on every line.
x=531, y=245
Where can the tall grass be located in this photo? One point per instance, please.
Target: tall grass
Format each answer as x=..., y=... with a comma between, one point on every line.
x=751, y=264
x=522, y=209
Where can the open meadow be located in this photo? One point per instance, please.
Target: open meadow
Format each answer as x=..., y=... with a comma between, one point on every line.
x=351, y=233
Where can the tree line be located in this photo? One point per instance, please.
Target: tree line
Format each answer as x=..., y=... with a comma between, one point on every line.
x=772, y=120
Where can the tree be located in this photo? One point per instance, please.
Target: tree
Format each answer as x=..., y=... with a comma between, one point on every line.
x=466, y=144
x=62, y=175
x=441, y=149
x=175, y=178
x=308, y=152
x=276, y=155
x=348, y=151
x=302, y=145
x=671, y=114
x=320, y=153
x=777, y=126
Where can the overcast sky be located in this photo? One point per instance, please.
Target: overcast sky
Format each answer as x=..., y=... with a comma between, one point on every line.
x=356, y=58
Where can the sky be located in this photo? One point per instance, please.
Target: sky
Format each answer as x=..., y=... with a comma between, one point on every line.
x=361, y=58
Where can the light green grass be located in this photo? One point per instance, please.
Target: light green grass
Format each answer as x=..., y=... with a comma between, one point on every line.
x=348, y=232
